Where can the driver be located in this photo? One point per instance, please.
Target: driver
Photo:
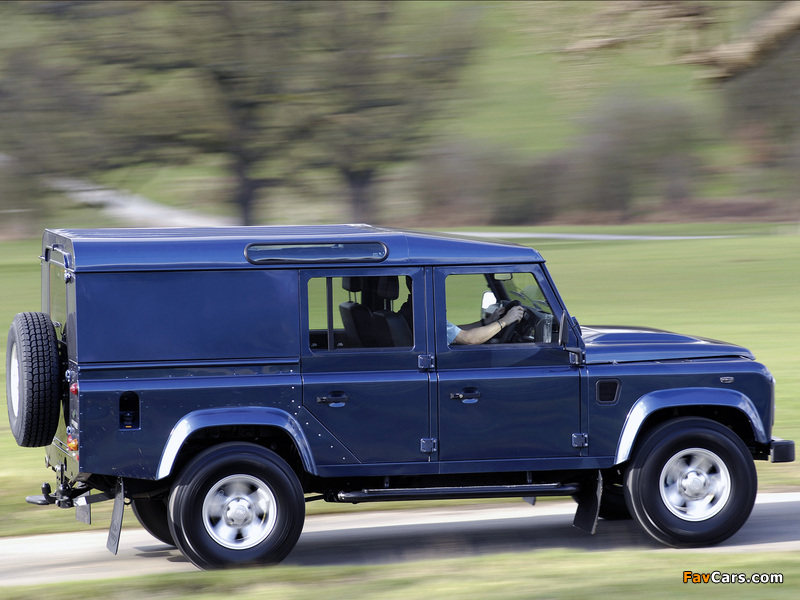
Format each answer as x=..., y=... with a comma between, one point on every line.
x=485, y=329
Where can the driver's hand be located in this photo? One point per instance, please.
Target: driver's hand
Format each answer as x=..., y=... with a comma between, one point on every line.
x=512, y=316
x=498, y=312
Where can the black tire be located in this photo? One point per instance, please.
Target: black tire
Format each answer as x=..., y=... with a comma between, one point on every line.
x=153, y=515
x=236, y=504
x=692, y=482
x=32, y=379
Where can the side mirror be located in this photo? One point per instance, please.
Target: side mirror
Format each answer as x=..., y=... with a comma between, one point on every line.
x=576, y=354
x=488, y=304
x=563, y=332
x=488, y=300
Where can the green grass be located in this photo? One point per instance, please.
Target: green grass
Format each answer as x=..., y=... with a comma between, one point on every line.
x=546, y=574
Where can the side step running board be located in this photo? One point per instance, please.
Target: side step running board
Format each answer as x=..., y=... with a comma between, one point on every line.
x=451, y=493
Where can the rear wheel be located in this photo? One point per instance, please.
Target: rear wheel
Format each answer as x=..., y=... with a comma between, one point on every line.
x=153, y=515
x=236, y=504
x=691, y=483
x=32, y=379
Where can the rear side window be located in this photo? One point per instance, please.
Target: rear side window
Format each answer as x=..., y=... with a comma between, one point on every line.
x=360, y=312
x=58, y=296
x=58, y=262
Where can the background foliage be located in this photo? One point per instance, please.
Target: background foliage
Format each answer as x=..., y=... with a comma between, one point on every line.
x=411, y=112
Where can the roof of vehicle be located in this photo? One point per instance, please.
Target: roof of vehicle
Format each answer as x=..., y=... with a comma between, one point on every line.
x=227, y=247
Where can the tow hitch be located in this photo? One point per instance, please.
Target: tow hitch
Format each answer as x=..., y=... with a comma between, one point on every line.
x=63, y=498
x=67, y=496
x=44, y=499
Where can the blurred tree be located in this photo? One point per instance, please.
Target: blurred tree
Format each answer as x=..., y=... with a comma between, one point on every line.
x=767, y=98
x=467, y=183
x=695, y=31
x=162, y=82
x=765, y=36
x=350, y=85
x=751, y=48
x=382, y=73
x=16, y=193
x=633, y=146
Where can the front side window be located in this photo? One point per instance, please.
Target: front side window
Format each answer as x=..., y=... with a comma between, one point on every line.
x=498, y=308
x=360, y=312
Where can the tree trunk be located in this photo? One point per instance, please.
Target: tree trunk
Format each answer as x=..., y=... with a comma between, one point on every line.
x=359, y=184
x=246, y=187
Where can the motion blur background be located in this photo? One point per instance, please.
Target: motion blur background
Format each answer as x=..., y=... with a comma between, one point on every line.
x=402, y=113
x=637, y=117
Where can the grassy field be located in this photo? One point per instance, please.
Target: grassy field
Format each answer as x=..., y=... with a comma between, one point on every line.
x=549, y=574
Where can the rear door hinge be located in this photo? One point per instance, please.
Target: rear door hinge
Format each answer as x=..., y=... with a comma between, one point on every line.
x=580, y=440
x=428, y=445
x=426, y=362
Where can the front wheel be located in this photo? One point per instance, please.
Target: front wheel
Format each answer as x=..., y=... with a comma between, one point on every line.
x=236, y=504
x=692, y=483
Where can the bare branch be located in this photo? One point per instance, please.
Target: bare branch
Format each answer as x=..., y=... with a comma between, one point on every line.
x=733, y=58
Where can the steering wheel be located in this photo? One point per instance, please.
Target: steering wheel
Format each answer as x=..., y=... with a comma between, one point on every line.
x=509, y=331
x=518, y=329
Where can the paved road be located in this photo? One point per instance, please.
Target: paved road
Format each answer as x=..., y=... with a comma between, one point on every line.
x=387, y=537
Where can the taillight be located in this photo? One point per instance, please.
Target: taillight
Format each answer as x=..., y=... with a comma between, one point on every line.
x=72, y=436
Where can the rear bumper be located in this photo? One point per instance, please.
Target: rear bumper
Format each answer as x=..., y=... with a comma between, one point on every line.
x=781, y=450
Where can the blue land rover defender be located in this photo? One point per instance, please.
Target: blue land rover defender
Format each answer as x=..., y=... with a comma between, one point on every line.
x=219, y=379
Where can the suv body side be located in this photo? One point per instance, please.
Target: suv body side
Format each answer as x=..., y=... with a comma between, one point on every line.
x=325, y=356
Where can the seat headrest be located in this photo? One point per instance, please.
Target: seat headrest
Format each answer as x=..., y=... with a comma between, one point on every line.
x=388, y=287
x=352, y=284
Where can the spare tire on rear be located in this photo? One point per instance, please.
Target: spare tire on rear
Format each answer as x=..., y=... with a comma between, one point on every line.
x=32, y=379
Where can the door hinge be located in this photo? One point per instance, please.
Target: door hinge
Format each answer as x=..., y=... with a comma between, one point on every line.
x=428, y=445
x=580, y=440
x=426, y=362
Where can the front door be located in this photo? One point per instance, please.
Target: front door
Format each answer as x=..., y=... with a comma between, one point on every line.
x=502, y=400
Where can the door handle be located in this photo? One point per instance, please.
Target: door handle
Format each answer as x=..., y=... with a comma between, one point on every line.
x=335, y=400
x=468, y=395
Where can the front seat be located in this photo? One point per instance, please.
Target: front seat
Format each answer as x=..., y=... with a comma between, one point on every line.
x=391, y=329
x=356, y=318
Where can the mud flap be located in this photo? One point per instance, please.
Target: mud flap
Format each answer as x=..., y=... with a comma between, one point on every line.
x=115, y=529
x=589, y=503
x=83, y=512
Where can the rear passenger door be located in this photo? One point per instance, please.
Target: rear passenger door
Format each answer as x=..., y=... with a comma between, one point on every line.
x=364, y=334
